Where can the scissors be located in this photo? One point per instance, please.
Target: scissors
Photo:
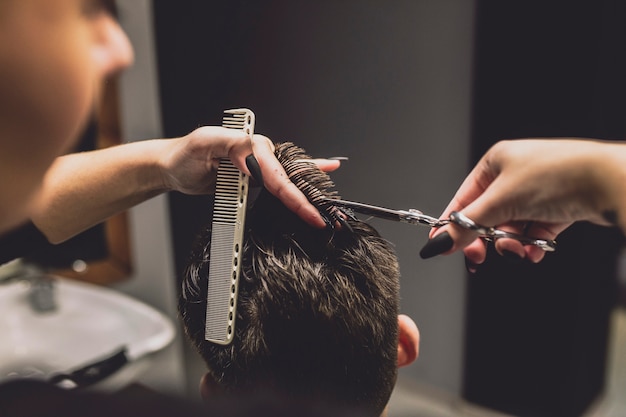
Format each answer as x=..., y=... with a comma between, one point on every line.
x=416, y=217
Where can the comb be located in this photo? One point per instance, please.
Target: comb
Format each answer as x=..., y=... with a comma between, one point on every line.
x=229, y=209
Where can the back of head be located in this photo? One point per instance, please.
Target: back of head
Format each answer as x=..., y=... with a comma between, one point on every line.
x=316, y=314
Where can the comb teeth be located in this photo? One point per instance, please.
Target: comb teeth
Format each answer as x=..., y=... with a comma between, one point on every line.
x=227, y=193
x=315, y=184
x=242, y=119
x=229, y=209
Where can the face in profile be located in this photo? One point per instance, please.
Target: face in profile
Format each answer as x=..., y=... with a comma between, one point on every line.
x=54, y=56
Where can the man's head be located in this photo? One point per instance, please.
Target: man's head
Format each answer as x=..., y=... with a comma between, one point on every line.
x=317, y=313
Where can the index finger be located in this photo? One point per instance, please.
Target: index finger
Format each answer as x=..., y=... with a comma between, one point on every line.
x=474, y=185
x=277, y=182
x=472, y=188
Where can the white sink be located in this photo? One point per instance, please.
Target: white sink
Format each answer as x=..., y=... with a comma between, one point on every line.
x=90, y=323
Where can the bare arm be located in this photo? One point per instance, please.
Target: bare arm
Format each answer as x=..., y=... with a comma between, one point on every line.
x=551, y=183
x=83, y=189
x=80, y=190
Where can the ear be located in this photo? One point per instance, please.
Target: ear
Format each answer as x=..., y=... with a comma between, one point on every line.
x=209, y=389
x=408, y=340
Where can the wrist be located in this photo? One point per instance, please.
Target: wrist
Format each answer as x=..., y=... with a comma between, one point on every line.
x=618, y=186
x=157, y=165
x=610, y=177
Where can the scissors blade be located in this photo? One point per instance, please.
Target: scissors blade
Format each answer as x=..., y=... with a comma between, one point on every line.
x=367, y=209
x=411, y=216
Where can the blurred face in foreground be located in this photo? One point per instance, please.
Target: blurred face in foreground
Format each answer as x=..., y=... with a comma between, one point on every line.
x=54, y=56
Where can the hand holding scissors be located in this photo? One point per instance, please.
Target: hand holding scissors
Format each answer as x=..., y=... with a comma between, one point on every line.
x=416, y=217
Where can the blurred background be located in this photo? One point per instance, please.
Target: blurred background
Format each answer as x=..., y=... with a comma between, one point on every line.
x=413, y=92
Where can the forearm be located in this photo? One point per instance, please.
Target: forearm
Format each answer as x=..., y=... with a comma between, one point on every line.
x=81, y=190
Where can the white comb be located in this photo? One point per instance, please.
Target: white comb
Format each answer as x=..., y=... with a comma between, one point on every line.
x=229, y=210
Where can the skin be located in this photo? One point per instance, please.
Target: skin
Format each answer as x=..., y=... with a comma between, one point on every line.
x=408, y=351
x=551, y=183
x=74, y=196
x=49, y=83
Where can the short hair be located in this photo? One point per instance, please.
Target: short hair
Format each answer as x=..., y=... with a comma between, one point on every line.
x=317, y=312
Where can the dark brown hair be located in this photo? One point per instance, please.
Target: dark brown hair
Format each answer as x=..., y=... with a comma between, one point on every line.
x=316, y=314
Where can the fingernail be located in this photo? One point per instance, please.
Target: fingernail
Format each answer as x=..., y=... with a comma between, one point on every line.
x=437, y=245
x=255, y=169
x=470, y=266
x=339, y=158
x=329, y=224
x=344, y=224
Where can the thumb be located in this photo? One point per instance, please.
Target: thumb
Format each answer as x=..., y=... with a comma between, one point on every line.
x=492, y=208
x=487, y=209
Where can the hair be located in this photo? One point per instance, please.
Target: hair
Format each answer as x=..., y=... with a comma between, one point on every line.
x=317, y=312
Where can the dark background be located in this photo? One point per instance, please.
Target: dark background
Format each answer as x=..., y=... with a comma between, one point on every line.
x=537, y=335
